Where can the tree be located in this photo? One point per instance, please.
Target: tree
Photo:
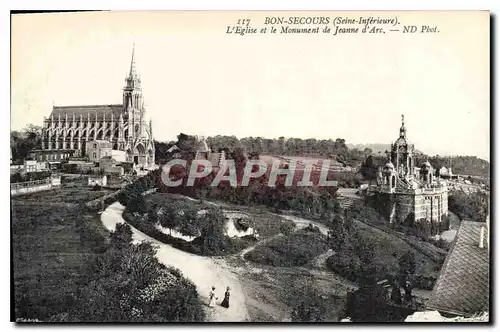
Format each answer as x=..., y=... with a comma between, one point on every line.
x=471, y=206
x=132, y=198
x=171, y=215
x=212, y=230
x=369, y=169
x=189, y=222
x=187, y=143
x=22, y=142
x=365, y=250
x=338, y=235
x=122, y=236
x=369, y=302
x=309, y=306
x=407, y=263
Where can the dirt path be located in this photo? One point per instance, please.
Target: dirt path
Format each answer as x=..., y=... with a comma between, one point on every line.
x=204, y=272
x=320, y=261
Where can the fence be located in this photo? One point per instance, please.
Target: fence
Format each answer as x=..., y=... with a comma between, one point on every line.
x=23, y=188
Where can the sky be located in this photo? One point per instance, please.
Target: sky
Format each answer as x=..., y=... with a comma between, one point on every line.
x=199, y=80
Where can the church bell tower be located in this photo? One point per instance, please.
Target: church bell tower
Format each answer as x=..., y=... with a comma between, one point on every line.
x=132, y=98
x=402, y=154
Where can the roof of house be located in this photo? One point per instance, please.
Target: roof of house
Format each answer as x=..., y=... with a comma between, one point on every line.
x=462, y=287
x=173, y=148
x=86, y=110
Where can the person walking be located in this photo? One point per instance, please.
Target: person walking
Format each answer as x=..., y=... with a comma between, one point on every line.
x=225, y=302
x=212, y=298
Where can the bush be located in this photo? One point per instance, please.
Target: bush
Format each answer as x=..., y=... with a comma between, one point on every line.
x=345, y=264
x=131, y=285
x=127, y=283
x=312, y=228
x=96, y=187
x=424, y=282
x=440, y=243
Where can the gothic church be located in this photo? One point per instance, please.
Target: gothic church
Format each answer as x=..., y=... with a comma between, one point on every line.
x=69, y=128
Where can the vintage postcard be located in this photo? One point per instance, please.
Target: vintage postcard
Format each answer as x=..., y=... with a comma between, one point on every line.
x=250, y=166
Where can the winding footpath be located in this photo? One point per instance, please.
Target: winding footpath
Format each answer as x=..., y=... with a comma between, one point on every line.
x=204, y=272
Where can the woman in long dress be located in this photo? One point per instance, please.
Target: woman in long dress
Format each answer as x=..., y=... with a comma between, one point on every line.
x=225, y=302
x=211, y=298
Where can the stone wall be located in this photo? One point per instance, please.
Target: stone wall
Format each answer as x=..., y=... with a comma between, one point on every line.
x=17, y=191
x=405, y=206
x=25, y=188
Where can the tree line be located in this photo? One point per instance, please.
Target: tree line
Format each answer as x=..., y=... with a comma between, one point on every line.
x=30, y=138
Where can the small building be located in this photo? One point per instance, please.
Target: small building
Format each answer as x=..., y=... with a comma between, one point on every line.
x=445, y=172
x=31, y=166
x=116, y=171
x=78, y=166
x=106, y=161
x=97, y=149
x=51, y=155
x=119, y=156
x=336, y=166
x=97, y=180
x=348, y=169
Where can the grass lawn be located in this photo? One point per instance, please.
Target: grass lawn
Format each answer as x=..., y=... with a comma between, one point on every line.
x=48, y=257
x=70, y=194
x=160, y=199
x=273, y=292
x=297, y=249
x=389, y=248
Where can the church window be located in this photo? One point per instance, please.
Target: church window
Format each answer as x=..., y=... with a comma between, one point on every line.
x=393, y=181
x=94, y=155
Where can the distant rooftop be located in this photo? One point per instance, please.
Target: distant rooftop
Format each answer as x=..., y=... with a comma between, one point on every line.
x=462, y=287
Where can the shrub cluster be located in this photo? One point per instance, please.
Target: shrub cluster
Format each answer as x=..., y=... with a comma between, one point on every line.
x=127, y=283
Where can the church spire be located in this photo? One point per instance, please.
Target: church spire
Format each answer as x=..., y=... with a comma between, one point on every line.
x=132, y=77
x=402, y=130
x=132, y=72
